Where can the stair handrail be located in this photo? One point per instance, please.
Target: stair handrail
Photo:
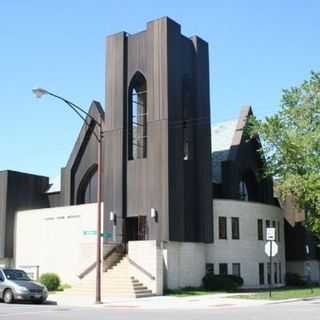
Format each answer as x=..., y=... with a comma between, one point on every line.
x=93, y=265
x=143, y=270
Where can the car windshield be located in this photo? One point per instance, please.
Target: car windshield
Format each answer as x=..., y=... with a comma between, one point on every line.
x=16, y=275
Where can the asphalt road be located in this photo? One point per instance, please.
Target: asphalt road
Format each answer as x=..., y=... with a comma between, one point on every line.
x=292, y=311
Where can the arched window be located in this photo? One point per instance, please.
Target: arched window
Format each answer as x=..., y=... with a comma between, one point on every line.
x=137, y=118
x=87, y=191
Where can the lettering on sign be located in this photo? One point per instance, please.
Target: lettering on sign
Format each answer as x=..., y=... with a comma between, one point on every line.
x=271, y=234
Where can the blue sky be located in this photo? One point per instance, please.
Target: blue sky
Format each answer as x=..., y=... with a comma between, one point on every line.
x=257, y=48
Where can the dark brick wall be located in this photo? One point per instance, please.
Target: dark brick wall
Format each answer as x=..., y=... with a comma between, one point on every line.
x=23, y=192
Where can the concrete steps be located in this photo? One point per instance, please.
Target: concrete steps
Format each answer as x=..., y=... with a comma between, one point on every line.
x=116, y=282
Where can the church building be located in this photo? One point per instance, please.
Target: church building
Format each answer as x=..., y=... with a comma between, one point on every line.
x=180, y=198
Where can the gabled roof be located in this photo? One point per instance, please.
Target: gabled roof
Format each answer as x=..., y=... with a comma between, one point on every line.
x=96, y=111
x=221, y=140
x=55, y=184
x=224, y=136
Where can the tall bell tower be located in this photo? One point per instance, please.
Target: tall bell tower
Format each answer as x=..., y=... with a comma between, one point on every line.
x=157, y=152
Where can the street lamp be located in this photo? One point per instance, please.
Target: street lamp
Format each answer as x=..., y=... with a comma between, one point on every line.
x=39, y=92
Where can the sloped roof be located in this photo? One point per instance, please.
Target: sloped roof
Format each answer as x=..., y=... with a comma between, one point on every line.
x=55, y=184
x=224, y=135
x=96, y=112
x=221, y=140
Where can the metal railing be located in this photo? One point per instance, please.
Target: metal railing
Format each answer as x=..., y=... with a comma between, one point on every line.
x=140, y=268
x=117, y=248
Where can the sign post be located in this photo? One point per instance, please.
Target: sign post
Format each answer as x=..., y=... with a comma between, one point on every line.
x=270, y=282
x=271, y=249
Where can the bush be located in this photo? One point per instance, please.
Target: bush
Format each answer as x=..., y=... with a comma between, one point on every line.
x=221, y=282
x=294, y=280
x=50, y=280
x=236, y=279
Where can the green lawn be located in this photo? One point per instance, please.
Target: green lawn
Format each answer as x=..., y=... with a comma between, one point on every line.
x=277, y=294
x=283, y=294
x=188, y=292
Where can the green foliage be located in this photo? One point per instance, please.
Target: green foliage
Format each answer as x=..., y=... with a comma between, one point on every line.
x=294, y=280
x=50, y=280
x=283, y=293
x=236, y=279
x=221, y=282
x=291, y=145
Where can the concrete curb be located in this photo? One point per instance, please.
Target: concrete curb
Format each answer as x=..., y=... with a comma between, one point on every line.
x=169, y=302
x=296, y=300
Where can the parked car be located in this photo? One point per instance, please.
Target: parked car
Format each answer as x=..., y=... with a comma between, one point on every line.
x=16, y=285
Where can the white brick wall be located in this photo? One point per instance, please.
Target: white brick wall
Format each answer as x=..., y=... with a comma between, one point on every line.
x=54, y=239
x=58, y=245
x=248, y=250
x=148, y=255
x=184, y=264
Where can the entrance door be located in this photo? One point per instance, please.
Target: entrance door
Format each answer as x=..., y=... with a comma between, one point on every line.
x=135, y=228
x=131, y=229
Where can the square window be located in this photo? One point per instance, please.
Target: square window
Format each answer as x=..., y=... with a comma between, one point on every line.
x=209, y=268
x=261, y=273
x=235, y=228
x=275, y=227
x=275, y=271
x=222, y=228
x=267, y=223
x=236, y=269
x=223, y=269
x=280, y=275
x=260, y=229
x=269, y=272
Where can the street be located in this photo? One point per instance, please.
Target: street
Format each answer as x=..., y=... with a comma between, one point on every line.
x=293, y=310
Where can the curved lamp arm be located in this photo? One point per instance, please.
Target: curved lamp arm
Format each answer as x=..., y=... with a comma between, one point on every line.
x=39, y=92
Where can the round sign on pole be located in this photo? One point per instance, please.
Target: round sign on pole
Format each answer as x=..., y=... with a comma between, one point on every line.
x=274, y=248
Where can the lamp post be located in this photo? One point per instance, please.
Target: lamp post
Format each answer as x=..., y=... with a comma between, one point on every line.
x=39, y=92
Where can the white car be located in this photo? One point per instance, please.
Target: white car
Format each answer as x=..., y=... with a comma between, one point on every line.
x=16, y=285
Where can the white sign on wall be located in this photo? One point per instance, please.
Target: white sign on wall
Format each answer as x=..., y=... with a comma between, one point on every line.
x=271, y=234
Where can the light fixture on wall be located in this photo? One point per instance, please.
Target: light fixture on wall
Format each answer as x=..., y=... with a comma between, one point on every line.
x=154, y=214
x=112, y=216
x=307, y=249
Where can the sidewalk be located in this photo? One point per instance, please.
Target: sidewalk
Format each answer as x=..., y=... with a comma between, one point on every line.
x=159, y=302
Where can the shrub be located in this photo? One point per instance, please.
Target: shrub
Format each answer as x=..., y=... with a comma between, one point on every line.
x=295, y=280
x=50, y=280
x=236, y=279
x=221, y=282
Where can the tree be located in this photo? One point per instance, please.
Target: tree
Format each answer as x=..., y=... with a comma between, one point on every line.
x=291, y=147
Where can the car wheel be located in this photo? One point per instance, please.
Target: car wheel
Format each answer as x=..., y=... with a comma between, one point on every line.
x=8, y=296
